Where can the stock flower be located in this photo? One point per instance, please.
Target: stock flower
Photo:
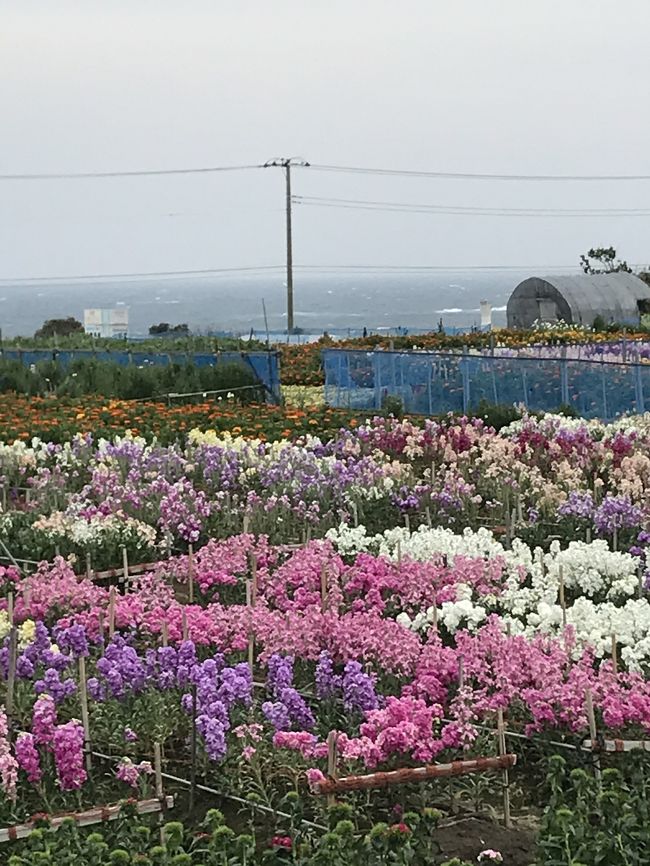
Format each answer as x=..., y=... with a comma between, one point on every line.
x=68, y=745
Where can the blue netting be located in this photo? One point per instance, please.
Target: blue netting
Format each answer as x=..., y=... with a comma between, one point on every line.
x=264, y=365
x=434, y=383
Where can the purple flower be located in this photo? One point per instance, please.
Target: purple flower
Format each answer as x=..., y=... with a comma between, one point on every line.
x=578, y=504
x=358, y=689
x=327, y=682
x=616, y=512
x=280, y=673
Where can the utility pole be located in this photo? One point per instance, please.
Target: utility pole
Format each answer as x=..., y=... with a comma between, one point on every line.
x=286, y=165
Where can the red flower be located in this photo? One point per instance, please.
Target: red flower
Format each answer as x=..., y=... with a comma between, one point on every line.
x=401, y=827
x=282, y=842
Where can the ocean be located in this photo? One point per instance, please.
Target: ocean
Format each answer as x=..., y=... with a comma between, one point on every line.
x=333, y=303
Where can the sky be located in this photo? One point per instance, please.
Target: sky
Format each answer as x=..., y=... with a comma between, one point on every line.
x=488, y=86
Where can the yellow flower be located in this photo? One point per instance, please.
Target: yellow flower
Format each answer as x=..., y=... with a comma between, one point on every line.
x=26, y=633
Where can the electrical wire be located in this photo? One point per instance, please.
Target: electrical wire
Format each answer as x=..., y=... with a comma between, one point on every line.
x=143, y=274
x=405, y=207
x=156, y=172
x=457, y=175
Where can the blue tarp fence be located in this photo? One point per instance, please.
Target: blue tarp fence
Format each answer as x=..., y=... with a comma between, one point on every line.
x=265, y=365
x=433, y=383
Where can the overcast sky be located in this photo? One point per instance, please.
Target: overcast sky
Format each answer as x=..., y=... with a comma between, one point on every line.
x=496, y=86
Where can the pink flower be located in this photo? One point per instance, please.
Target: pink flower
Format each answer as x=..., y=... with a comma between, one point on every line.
x=28, y=757
x=68, y=749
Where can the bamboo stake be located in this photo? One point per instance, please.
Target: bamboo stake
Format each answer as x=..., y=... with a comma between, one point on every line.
x=254, y=584
x=251, y=638
x=190, y=572
x=561, y=592
x=332, y=762
x=111, y=612
x=157, y=766
x=501, y=738
x=83, y=697
x=13, y=652
x=593, y=733
x=193, y=749
x=324, y=588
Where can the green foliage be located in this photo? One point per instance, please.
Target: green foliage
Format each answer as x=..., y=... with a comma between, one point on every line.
x=126, y=382
x=602, y=260
x=409, y=843
x=391, y=404
x=59, y=328
x=589, y=822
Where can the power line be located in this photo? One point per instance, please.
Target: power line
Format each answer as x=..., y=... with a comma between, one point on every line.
x=409, y=207
x=262, y=269
x=457, y=175
x=143, y=274
x=79, y=175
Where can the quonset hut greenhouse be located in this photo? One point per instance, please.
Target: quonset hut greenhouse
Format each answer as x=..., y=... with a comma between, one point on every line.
x=579, y=300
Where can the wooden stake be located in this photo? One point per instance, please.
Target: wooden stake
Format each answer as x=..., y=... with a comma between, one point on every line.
x=100, y=626
x=13, y=652
x=501, y=740
x=461, y=672
x=427, y=512
x=614, y=655
x=615, y=540
x=254, y=586
x=246, y=522
x=190, y=572
x=332, y=762
x=251, y=638
x=407, y=522
x=125, y=564
x=593, y=733
x=324, y=587
x=157, y=768
x=355, y=514
x=89, y=569
x=165, y=633
x=561, y=592
x=83, y=697
x=588, y=535
x=184, y=629
x=111, y=612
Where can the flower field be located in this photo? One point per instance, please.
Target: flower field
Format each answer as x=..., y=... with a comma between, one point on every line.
x=276, y=625
x=59, y=419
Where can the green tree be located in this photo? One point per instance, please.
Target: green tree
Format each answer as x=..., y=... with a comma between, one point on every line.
x=602, y=260
x=59, y=327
